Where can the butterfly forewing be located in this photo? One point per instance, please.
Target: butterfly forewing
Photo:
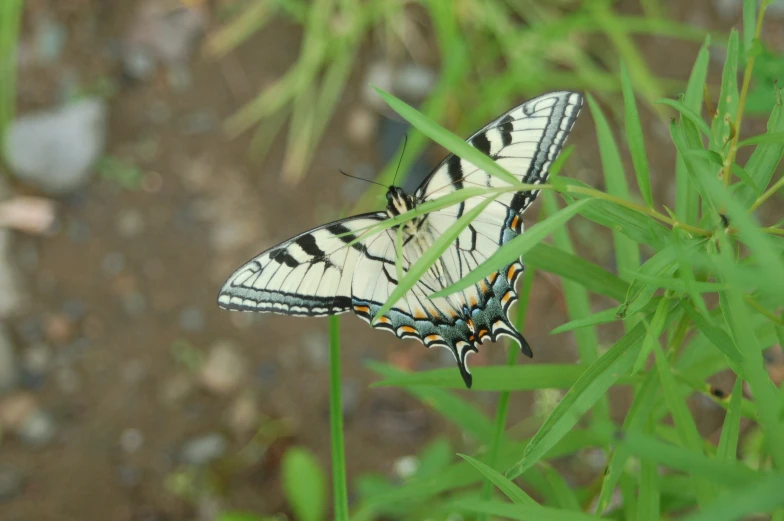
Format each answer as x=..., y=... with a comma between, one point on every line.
x=308, y=275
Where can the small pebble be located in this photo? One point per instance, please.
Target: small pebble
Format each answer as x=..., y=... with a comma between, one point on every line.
x=74, y=308
x=134, y=303
x=139, y=63
x=244, y=414
x=361, y=125
x=78, y=230
x=113, y=263
x=176, y=389
x=131, y=440
x=58, y=328
x=11, y=482
x=349, y=396
x=316, y=349
x=37, y=358
x=204, y=449
x=223, y=370
x=130, y=223
x=37, y=429
x=192, y=319
x=406, y=466
x=67, y=380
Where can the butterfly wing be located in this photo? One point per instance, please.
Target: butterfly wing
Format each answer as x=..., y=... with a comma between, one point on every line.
x=308, y=275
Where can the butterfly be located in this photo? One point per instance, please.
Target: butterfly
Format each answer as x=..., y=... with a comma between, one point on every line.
x=341, y=266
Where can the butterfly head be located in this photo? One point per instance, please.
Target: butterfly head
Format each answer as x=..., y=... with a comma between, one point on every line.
x=398, y=201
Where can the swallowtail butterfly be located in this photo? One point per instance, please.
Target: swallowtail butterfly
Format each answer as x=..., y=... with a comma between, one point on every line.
x=340, y=267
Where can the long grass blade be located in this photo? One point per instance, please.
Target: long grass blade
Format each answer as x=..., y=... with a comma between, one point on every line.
x=340, y=489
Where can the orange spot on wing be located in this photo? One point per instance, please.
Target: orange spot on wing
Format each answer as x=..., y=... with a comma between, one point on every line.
x=515, y=222
x=473, y=301
x=483, y=285
x=506, y=297
x=511, y=272
x=493, y=277
x=432, y=338
x=420, y=315
x=407, y=329
x=362, y=309
x=482, y=333
x=384, y=320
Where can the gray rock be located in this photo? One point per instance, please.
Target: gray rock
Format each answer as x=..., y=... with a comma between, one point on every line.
x=192, y=319
x=56, y=150
x=37, y=428
x=9, y=366
x=131, y=440
x=204, y=449
x=130, y=223
x=11, y=482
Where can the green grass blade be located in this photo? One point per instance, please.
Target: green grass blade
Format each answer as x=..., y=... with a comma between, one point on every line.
x=340, y=489
x=766, y=157
x=724, y=120
x=763, y=139
x=10, y=21
x=559, y=493
x=627, y=252
x=748, y=498
x=589, y=388
x=514, y=249
x=525, y=377
x=432, y=255
x=652, y=335
x=594, y=278
x=304, y=484
x=601, y=317
x=684, y=422
x=649, y=501
x=730, y=474
x=749, y=27
x=689, y=114
x=519, y=512
x=512, y=491
x=728, y=443
x=686, y=198
x=578, y=305
x=443, y=137
x=466, y=416
x=635, y=138
x=717, y=336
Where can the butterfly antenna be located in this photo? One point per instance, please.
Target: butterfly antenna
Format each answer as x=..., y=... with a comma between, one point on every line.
x=399, y=161
x=361, y=179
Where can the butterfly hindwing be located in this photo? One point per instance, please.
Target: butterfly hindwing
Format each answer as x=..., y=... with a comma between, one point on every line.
x=309, y=274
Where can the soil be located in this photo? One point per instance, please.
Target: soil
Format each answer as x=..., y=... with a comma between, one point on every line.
x=149, y=297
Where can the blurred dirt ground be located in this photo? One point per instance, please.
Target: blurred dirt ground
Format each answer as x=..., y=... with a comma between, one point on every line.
x=139, y=365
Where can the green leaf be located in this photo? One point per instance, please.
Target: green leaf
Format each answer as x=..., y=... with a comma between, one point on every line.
x=761, y=495
x=678, y=285
x=519, y=512
x=635, y=138
x=645, y=447
x=766, y=157
x=559, y=493
x=686, y=199
x=589, y=388
x=763, y=139
x=652, y=335
x=716, y=335
x=512, y=491
x=512, y=250
x=689, y=114
x=728, y=443
x=749, y=27
x=466, y=416
x=304, y=484
x=431, y=256
x=684, y=422
x=627, y=252
x=601, y=317
x=443, y=137
x=640, y=293
x=495, y=378
x=724, y=120
x=594, y=278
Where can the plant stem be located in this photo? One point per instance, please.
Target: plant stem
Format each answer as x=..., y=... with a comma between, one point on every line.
x=336, y=423
x=727, y=173
x=764, y=197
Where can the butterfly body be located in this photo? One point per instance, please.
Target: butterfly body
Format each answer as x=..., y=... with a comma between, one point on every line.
x=341, y=267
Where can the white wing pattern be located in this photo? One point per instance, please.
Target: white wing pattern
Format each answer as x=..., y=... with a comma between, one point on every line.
x=338, y=267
